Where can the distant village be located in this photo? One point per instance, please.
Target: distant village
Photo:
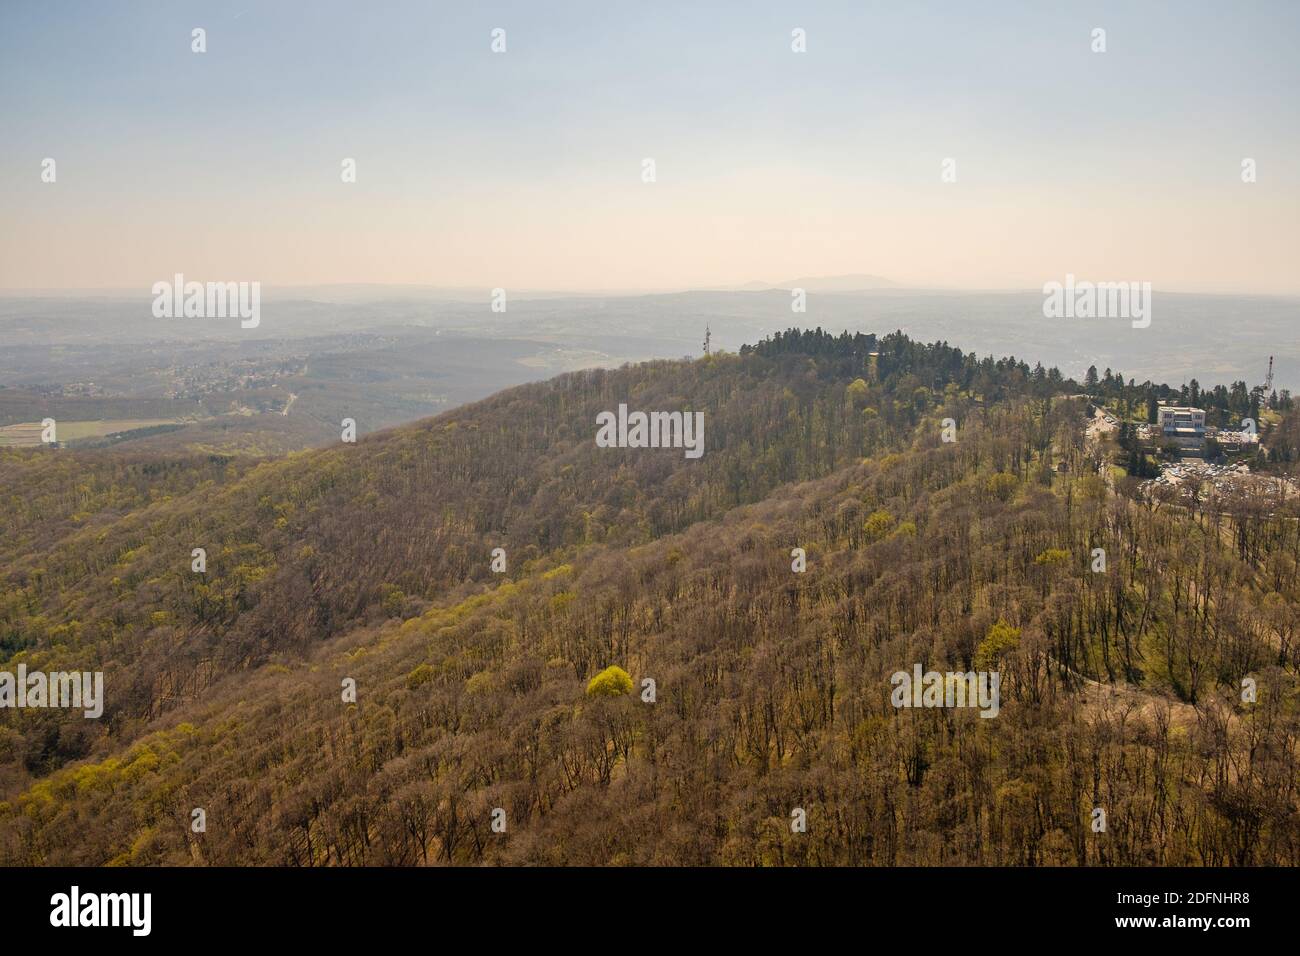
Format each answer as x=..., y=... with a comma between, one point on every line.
x=1184, y=427
x=1171, y=444
x=1184, y=454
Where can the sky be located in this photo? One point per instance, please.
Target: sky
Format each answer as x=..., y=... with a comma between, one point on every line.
x=525, y=168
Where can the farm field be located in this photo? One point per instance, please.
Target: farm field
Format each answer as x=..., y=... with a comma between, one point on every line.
x=29, y=433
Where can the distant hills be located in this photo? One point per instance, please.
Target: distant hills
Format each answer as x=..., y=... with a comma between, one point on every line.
x=846, y=283
x=1220, y=338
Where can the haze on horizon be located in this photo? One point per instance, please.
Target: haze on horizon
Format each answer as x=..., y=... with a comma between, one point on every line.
x=524, y=169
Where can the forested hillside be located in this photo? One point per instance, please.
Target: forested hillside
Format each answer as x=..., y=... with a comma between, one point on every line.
x=1121, y=688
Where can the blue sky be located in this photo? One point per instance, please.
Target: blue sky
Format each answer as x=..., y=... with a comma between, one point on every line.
x=524, y=168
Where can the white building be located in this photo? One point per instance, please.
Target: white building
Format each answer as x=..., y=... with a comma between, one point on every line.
x=1177, y=418
x=1183, y=424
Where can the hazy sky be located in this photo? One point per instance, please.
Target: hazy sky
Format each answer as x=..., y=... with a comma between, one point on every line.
x=524, y=169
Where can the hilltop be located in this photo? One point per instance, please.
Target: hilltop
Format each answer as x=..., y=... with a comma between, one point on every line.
x=373, y=563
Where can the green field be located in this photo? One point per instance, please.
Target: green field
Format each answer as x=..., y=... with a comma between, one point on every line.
x=29, y=433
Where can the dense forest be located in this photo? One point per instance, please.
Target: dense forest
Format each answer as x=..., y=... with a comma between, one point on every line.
x=351, y=680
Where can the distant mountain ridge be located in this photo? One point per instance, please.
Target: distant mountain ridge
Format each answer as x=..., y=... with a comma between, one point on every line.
x=841, y=283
